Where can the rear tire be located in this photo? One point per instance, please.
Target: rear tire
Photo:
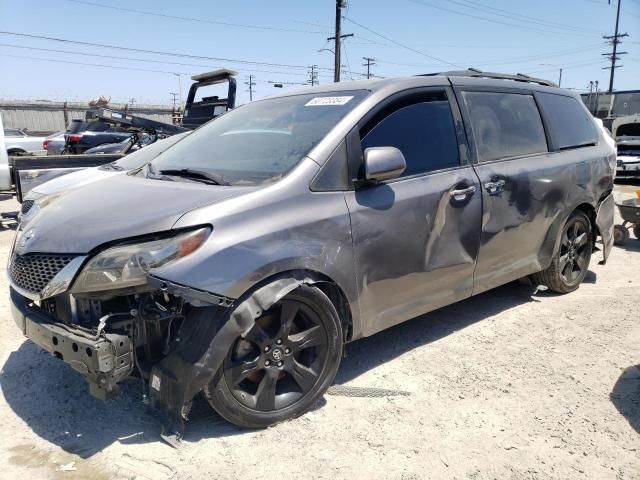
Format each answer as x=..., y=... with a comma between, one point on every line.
x=571, y=263
x=283, y=365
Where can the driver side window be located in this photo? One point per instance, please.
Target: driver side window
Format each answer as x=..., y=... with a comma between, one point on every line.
x=422, y=130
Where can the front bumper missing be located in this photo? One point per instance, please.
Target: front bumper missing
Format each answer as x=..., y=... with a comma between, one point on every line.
x=206, y=336
x=103, y=361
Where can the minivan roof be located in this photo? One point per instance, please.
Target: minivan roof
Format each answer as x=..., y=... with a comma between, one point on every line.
x=461, y=77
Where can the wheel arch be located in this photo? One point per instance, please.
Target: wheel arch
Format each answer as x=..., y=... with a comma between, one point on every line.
x=585, y=208
x=590, y=211
x=328, y=286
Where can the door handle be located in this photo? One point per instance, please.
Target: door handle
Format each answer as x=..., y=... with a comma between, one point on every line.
x=494, y=188
x=462, y=193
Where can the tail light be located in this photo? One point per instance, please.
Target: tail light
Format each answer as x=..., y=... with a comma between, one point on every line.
x=45, y=144
x=73, y=138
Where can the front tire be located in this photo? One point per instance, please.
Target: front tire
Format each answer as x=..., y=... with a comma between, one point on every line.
x=283, y=365
x=570, y=265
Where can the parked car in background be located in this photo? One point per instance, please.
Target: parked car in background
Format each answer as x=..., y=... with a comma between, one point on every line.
x=18, y=142
x=240, y=260
x=54, y=143
x=626, y=132
x=136, y=141
x=82, y=135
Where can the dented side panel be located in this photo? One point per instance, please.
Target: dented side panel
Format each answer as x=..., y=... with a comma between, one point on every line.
x=521, y=223
x=415, y=245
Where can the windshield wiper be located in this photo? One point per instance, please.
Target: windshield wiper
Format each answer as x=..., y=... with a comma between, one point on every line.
x=111, y=166
x=197, y=175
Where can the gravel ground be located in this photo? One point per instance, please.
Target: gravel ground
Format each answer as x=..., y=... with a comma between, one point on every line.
x=503, y=385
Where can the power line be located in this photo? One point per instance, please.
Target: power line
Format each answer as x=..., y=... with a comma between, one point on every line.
x=508, y=60
x=406, y=47
x=492, y=20
x=155, y=52
x=92, y=64
x=193, y=19
x=136, y=59
x=517, y=16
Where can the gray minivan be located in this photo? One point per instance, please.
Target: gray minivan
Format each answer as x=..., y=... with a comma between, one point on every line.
x=240, y=260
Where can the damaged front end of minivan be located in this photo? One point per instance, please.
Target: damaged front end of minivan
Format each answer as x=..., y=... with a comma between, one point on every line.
x=109, y=317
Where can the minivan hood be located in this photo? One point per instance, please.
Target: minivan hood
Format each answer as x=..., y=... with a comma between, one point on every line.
x=69, y=181
x=118, y=207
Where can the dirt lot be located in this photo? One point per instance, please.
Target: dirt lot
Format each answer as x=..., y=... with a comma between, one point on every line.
x=504, y=385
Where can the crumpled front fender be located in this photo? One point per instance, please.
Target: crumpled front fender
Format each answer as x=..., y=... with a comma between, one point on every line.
x=205, y=339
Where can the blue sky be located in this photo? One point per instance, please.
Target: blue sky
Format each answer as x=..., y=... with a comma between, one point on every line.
x=404, y=36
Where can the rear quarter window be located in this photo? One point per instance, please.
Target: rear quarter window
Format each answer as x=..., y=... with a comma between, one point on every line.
x=570, y=125
x=505, y=125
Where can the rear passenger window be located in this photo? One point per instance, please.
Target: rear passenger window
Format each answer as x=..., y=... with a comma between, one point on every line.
x=424, y=132
x=505, y=125
x=570, y=125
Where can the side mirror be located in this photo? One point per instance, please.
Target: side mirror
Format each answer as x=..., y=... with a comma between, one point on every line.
x=383, y=163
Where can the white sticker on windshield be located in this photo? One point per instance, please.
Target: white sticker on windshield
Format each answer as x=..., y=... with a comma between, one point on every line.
x=322, y=101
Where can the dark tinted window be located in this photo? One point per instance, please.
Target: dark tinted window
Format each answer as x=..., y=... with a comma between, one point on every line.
x=424, y=132
x=505, y=125
x=570, y=125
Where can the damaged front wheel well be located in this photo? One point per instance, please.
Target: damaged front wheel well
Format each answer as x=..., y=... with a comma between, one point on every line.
x=331, y=289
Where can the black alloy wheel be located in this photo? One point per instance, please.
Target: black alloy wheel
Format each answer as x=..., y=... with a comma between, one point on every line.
x=283, y=365
x=575, y=251
x=571, y=263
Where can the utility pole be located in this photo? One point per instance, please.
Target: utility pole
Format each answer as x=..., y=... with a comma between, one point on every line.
x=370, y=63
x=560, y=79
x=614, y=40
x=179, y=88
x=132, y=101
x=340, y=4
x=174, y=98
x=251, y=84
x=313, y=75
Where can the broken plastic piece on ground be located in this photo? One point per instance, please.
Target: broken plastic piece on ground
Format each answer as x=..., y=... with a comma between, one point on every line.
x=540, y=288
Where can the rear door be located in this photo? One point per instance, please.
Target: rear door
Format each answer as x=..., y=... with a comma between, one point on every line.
x=416, y=237
x=516, y=174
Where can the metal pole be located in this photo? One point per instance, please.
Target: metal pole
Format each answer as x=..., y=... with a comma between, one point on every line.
x=615, y=49
x=179, y=88
x=369, y=64
x=560, y=79
x=336, y=51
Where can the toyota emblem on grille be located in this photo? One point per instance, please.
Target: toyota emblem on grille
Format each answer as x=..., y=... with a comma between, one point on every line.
x=26, y=236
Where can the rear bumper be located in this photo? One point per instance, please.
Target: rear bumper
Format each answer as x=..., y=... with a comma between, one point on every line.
x=103, y=360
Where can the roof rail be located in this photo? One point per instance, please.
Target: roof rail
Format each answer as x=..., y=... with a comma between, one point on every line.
x=474, y=72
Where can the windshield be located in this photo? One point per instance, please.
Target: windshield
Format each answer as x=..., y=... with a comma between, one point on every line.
x=143, y=156
x=260, y=141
